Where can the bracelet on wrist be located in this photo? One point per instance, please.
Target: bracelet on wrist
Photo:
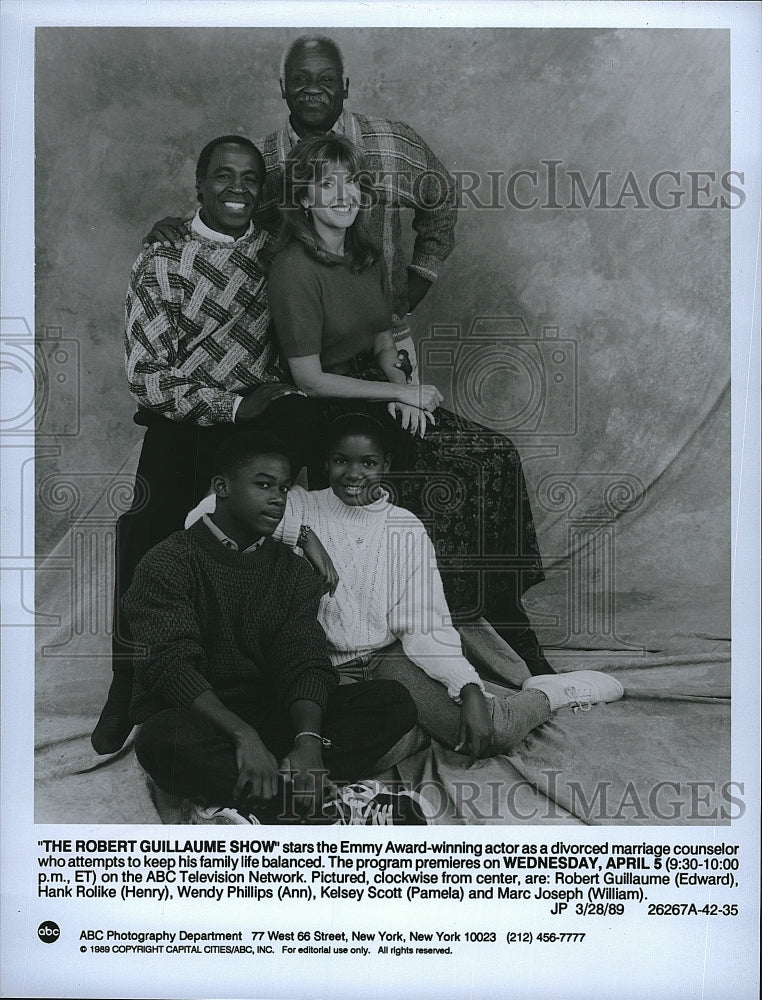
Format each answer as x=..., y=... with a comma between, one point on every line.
x=307, y=732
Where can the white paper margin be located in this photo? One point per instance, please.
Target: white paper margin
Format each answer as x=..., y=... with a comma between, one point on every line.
x=626, y=957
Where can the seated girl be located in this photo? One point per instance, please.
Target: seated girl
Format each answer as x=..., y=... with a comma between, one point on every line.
x=385, y=614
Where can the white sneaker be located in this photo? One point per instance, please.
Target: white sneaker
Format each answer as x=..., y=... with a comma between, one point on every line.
x=580, y=689
x=369, y=803
x=195, y=815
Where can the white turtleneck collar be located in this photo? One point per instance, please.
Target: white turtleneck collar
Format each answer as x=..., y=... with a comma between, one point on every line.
x=379, y=506
x=200, y=228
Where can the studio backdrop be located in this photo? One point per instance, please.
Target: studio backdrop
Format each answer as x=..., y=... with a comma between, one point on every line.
x=585, y=310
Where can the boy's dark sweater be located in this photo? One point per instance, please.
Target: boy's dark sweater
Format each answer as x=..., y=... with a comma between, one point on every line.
x=241, y=624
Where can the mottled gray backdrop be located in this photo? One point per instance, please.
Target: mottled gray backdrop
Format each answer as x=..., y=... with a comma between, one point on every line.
x=640, y=296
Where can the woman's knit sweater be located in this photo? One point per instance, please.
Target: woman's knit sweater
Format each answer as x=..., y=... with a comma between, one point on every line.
x=241, y=624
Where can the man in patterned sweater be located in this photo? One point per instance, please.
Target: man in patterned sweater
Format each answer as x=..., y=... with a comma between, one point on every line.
x=235, y=692
x=200, y=361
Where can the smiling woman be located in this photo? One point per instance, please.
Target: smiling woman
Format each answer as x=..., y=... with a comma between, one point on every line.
x=325, y=188
x=333, y=202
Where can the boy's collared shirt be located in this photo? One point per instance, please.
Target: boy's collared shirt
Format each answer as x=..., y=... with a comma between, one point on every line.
x=390, y=587
x=221, y=537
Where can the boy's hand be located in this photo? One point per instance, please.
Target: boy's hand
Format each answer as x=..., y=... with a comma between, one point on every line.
x=304, y=770
x=475, y=722
x=320, y=561
x=169, y=231
x=257, y=768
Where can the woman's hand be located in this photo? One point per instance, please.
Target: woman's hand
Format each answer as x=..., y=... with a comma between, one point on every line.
x=320, y=561
x=411, y=417
x=425, y=397
x=475, y=722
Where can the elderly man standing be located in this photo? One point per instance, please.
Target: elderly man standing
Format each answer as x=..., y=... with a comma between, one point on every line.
x=200, y=364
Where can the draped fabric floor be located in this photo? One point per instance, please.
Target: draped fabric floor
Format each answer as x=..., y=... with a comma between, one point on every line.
x=659, y=756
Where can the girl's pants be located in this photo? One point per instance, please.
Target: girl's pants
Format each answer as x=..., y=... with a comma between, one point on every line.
x=514, y=715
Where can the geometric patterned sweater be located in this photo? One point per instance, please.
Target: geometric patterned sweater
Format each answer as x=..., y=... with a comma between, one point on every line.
x=241, y=624
x=197, y=328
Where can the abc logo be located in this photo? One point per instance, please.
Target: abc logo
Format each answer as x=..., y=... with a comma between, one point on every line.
x=48, y=931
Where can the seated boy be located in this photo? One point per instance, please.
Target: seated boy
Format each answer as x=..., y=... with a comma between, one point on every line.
x=237, y=697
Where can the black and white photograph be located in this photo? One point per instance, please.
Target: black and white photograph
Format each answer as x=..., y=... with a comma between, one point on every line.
x=380, y=448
